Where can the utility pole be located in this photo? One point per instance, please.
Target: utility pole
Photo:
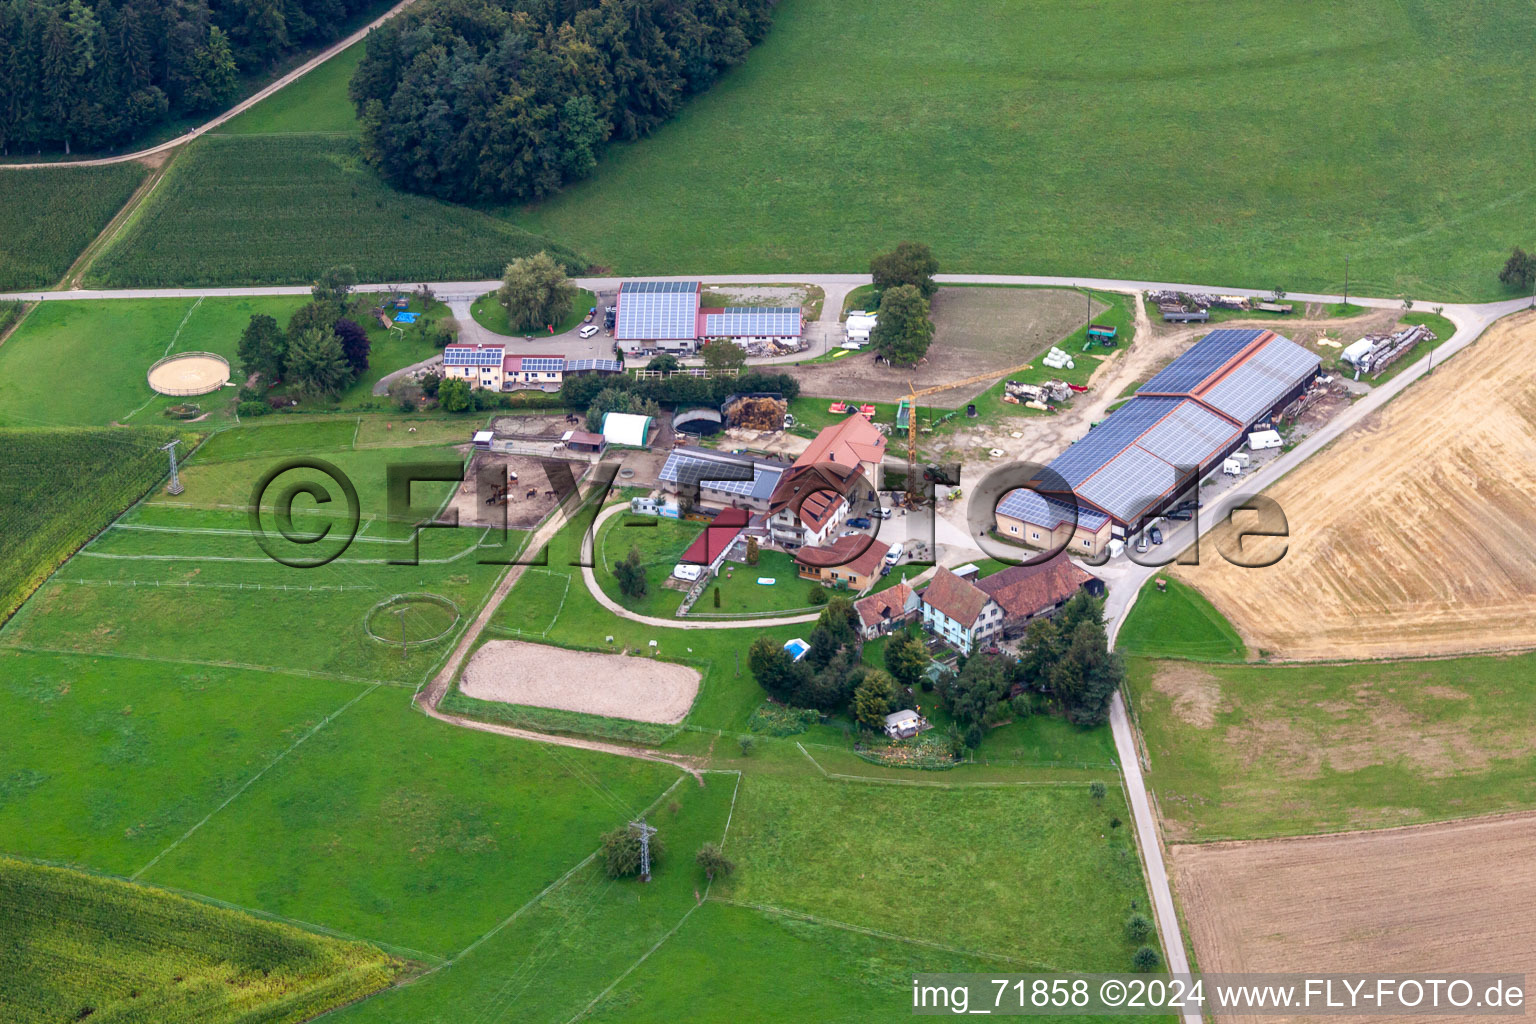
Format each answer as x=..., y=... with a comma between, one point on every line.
x=170, y=449
x=646, y=831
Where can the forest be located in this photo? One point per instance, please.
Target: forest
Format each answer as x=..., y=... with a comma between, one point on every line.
x=78, y=76
x=508, y=100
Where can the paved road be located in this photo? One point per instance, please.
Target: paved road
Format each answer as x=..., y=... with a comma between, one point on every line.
x=234, y=111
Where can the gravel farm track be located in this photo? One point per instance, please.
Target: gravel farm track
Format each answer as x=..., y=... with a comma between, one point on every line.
x=1402, y=899
x=1435, y=557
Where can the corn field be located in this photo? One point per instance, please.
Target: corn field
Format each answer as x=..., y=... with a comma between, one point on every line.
x=48, y=217
x=247, y=210
x=60, y=488
x=81, y=947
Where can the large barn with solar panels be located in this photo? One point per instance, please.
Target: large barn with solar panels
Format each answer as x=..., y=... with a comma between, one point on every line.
x=1152, y=450
x=666, y=316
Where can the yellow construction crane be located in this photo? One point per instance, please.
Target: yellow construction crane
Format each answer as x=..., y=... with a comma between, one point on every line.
x=914, y=393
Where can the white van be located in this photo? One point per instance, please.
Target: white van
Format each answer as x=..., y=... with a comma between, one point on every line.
x=894, y=555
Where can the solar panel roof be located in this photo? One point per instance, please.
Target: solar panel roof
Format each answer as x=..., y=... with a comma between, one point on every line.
x=1190, y=435
x=1110, y=438
x=746, y=477
x=540, y=364
x=1261, y=380
x=472, y=356
x=1041, y=510
x=754, y=322
x=1129, y=483
x=1204, y=358
x=657, y=310
x=600, y=365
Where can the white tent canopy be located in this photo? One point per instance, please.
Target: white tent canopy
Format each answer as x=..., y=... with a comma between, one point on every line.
x=626, y=428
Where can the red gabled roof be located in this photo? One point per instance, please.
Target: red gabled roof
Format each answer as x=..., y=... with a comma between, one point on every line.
x=719, y=535
x=957, y=598
x=1026, y=589
x=848, y=443
x=857, y=553
x=888, y=604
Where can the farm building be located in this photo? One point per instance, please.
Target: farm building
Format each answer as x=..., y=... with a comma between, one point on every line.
x=491, y=368
x=710, y=547
x=901, y=725
x=666, y=316
x=887, y=610
x=853, y=561
x=721, y=478
x=584, y=441
x=809, y=503
x=1178, y=427
x=959, y=612
x=1028, y=592
x=853, y=442
x=627, y=429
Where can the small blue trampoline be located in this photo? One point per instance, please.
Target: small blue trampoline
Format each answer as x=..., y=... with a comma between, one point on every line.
x=406, y=318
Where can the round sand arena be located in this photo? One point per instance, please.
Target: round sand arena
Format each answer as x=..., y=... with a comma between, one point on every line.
x=192, y=373
x=612, y=685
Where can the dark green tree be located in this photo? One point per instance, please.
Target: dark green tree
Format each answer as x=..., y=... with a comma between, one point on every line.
x=1519, y=270
x=664, y=362
x=315, y=364
x=873, y=699
x=903, y=332
x=775, y=670
x=906, y=659
x=910, y=263
x=335, y=285
x=262, y=348
x=976, y=689
x=714, y=861
x=621, y=851
x=724, y=355
x=455, y=395
x=314, y=316
x=630, y=573
x=535, y=292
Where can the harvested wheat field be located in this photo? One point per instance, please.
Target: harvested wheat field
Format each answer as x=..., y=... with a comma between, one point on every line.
x=611, y=685
x=1412, y=534
x=1397, y=900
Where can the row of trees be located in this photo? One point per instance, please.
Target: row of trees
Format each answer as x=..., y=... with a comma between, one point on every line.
x=508, y=100
x=904, y=283
x=95, y=75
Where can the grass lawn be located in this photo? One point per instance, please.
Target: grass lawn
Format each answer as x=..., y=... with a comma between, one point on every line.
x=1265, y=750
x=60, y=488
x=1178, y=623
x=1020, y=894
x=492, y=315
x=392, y=826
x=741, y=594
x=315, y=103
x=280, y=209
x=128, y=952
x=116, y=341
x=987, y=154
x=661, y=543
x=49, y=216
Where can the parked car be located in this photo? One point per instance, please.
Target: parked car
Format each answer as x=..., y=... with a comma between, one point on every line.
x=1141, y=543
x=880, y=512
x=1156, y=535
x=588, y=331
x=894, y=555
x=1183, y=515
x=860, y=523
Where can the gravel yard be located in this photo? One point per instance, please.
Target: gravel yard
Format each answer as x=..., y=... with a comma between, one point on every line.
x=611, y=685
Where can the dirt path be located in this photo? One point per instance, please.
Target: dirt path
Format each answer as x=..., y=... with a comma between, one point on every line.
x=431, y=695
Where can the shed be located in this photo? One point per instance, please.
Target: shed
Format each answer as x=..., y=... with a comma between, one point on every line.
x=482, y=440
x=627, y=428
x=583, y=441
